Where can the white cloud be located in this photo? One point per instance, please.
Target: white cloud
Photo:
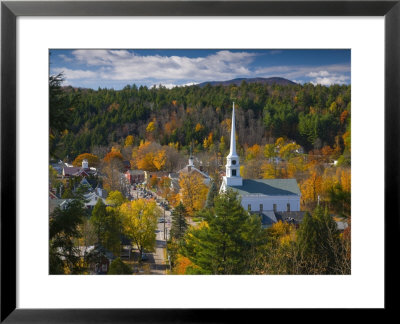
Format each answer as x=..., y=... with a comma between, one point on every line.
x=75, y=74
x=126, y=65
x=65, y=58
x=294, y=72
x=332, y=79
x=317, y=74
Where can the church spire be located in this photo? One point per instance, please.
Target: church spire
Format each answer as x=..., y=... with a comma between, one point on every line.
x=232, y=150
x=232, y=166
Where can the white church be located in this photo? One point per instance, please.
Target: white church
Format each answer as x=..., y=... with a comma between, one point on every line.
x=274, y=199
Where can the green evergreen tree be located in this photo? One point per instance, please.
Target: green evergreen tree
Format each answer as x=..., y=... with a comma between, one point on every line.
x=318, y=241
x=228, y=240
x=179, y=224
x=118, y=267
x=107, y=224
x=212, y=193
x=64, y=229
x=99, y=219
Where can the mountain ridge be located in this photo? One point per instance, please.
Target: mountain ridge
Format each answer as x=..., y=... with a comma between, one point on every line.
x=238, y=81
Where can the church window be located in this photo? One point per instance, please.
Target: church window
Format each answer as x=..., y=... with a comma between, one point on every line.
x=261, y=207
x=249, y=207
x=233, y=162
x=274, y=207
x=288, y=207
x=233, y=173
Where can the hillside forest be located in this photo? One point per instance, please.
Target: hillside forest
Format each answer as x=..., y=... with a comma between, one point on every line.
x=282, y=131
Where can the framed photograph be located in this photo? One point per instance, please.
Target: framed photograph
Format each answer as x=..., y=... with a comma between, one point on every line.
x=269, y=103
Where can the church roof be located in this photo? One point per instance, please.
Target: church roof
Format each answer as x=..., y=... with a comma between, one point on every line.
x=294, y=217
x=269, y=187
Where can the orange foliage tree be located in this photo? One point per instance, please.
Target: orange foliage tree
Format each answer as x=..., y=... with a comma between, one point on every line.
x=111, y=167
x=149, y=156
x=113, y=155
x=91, y=158
x=182, y=263
x=311, y=188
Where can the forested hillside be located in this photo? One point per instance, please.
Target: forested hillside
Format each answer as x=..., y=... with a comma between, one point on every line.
x=313, y=116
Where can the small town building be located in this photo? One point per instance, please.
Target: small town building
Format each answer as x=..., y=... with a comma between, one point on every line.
x=188, y=169
x=83, y=171
x=268, y=197
x=135, y=176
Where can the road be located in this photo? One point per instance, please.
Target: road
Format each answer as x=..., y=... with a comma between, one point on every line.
x=157, y=260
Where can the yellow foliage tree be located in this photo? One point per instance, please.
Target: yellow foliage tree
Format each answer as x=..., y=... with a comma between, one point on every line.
x=253, y=152
x=311, y=188
x=151, y=127
x=269, y=171
x=279, y=142
x=282, y=232
x=193, y=191
x=295, y=166
x=345, y=180
x=159, y=159
x=139, y=220
x=199, y=127
x=115, y=198
x=208, y=141
x=149, y=156
x=289, y=150
x=129, y=140
x=222, y=145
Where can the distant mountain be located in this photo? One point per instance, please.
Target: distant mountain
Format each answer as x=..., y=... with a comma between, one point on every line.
x=238, y=81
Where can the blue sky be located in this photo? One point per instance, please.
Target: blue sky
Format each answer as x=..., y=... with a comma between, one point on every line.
x=116, y=68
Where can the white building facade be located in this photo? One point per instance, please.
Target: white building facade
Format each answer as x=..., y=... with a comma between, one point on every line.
x=259, y=195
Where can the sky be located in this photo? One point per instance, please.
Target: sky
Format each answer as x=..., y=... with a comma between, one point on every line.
x=116, y=68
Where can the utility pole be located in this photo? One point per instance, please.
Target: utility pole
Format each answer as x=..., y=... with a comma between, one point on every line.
x=164, y=226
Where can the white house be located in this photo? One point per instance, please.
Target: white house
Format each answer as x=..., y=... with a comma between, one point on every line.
x=266, y=196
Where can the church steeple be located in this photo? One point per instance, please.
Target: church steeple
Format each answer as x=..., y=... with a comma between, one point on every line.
x=232, y=150
x=233, y=177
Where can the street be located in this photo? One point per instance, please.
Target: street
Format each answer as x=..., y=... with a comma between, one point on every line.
x=157, y=260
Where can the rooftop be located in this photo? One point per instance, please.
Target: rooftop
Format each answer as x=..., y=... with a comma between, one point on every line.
x=268, y=187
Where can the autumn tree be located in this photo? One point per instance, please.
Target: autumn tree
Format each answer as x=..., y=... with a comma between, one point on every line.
x=149, y=156
x=150, y=130
x=115, y=198
x=111, y=167
x=270, y=152
x=280, y=251
x=139, y=219
x=253, y=152
x=92, y=159
x=193, y=191
x=164, y=188
x=129, y=140
x=311, y=188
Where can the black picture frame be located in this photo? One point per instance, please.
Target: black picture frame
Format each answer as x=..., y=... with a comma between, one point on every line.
x=10, y=10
